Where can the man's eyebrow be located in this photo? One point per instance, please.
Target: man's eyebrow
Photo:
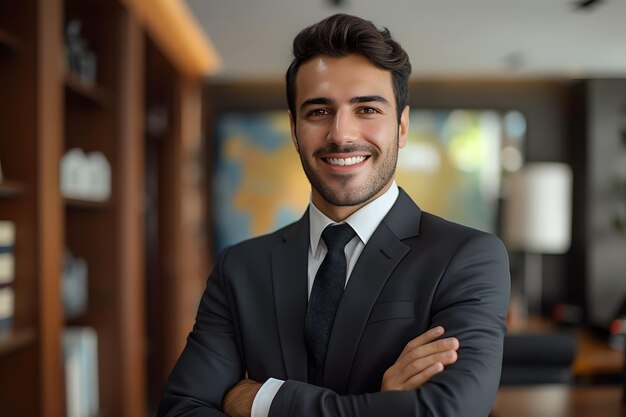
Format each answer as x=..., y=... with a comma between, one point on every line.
x=316, y=101
x=370, y=99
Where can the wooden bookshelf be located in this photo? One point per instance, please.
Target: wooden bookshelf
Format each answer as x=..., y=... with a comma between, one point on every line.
x=107, y=118
x=30, y=354
x=76, y=203
x=76, y=87
x=13, y=340
x=177, y=255
x=46, y=110
x=11, y=189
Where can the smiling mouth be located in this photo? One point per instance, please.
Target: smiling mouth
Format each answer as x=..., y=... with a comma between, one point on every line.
x=345, y=161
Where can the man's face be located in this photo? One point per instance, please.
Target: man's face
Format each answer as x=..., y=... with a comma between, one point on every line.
x=346, y=131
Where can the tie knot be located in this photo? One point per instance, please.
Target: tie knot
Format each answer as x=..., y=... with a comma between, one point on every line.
x=337, y=237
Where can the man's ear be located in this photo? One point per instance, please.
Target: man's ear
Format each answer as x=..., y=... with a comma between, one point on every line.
x=294, y=137
x=403, y=127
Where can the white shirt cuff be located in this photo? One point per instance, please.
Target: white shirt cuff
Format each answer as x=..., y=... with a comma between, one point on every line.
x=264, y=397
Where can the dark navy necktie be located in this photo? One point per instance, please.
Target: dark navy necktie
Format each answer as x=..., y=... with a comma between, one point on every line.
x=325, y=297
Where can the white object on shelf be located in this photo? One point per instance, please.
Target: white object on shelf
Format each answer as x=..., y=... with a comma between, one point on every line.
x=85, y=176
x=74, y=182
x=99, y=176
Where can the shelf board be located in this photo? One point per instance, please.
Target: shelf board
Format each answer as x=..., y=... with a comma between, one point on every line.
x=11, y=189
x=92, y=93
x=86, y=204
x=9, y=42
x=12, y=340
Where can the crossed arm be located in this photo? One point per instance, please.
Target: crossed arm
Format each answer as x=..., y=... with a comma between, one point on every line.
x=421, y=359
x=470, y=301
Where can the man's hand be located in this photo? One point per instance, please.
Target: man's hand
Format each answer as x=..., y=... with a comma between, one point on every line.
x=421, y=359
x=238, y=400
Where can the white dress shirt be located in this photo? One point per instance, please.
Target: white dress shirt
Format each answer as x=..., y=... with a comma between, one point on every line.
x=364, y=222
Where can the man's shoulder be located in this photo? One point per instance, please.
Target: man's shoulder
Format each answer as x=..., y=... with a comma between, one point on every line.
x=435, y=222
x=266, y=241
x=448, y=230
x=407, y=220
x=248, y=263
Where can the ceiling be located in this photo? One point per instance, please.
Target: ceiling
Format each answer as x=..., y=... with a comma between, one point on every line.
x=444, y=38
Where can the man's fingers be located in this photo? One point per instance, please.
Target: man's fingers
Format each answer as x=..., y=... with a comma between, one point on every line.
x=424, y=338
x=421, y=359
x=428, y=349
x=421, y=340
x=420, y=379
x=418, y=366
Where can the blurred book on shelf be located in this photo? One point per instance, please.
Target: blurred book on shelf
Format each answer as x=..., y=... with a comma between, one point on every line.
x=7, y=259
x=80, y=351
x=7, y=274
x=7, y=307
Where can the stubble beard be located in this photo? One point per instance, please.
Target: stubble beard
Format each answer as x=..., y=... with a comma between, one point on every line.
x=344, y=194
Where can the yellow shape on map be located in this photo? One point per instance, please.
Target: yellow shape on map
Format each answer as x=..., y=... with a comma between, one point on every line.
x=271, y=180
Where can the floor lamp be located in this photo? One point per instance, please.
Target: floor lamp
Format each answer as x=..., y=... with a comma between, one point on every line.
x=537, y=220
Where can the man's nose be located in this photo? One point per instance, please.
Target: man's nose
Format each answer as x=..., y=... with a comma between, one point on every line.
x=344, y=128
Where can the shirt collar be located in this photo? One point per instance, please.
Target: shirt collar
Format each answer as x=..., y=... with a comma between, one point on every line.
x=364, y=221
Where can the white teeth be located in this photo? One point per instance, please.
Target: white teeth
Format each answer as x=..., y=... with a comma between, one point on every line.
x=346, y=161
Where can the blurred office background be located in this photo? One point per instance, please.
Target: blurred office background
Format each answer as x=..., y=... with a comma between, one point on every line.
x=138, y=138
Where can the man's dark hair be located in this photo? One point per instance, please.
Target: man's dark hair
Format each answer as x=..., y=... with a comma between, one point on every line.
x=340, y=35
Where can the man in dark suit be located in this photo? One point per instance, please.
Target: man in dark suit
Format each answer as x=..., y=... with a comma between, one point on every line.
x=275, y=335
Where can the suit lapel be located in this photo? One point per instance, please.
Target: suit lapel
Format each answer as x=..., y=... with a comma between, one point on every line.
x=289, y=274
x=384, y=251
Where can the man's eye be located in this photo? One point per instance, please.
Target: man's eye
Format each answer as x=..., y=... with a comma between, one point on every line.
x=318, y=112
x=369, y=110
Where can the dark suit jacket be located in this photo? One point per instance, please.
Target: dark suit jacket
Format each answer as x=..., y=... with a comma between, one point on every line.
x=417, y=271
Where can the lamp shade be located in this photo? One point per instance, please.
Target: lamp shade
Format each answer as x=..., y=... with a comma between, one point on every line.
x=538, y=209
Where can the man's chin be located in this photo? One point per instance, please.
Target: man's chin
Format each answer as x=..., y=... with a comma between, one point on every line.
x=344, y=190
x=345, y=197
